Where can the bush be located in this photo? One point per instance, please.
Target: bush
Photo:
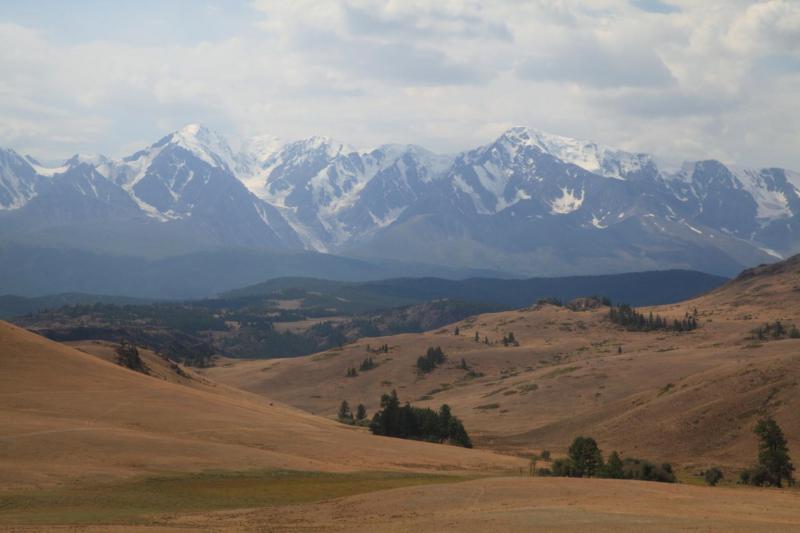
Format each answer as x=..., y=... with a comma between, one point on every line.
x=544, y=472
x=713, y=476
x=646, y=471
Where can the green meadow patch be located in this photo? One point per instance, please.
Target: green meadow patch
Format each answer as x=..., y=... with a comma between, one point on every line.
x=141, y=501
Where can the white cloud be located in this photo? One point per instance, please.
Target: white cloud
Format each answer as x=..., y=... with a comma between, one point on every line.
x=680, y=78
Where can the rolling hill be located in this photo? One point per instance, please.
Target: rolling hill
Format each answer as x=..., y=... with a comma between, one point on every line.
x=93, y=446
x=690, y=398
x=67, y=415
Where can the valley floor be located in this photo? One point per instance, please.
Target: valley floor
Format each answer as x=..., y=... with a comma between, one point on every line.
x=479, y=505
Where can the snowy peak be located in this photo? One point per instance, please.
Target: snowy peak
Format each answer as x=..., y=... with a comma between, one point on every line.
x=588, y=155
x=208, y=145
x=18, y=180
x=323, y=194
x=774, y=192
x=260, y=148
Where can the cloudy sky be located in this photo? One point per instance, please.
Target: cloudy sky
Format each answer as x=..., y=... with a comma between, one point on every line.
x=681, y=79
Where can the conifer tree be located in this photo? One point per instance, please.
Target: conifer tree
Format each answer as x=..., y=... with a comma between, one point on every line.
x=344, y=411
x=773, y=453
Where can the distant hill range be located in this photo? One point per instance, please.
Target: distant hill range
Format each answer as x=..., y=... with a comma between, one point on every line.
x=525, y=204
x=341, y=297
x=637, y=288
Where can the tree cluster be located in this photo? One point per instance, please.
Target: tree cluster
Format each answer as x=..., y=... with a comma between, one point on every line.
x=433, y=358
x=510, y=340
x=585, y=459
x=351, y=372
x=632, y=320
x=367, y=364
x=383, y=348
x=346, y=416
x=776, y=330
x=408, y=422
x=128, y=356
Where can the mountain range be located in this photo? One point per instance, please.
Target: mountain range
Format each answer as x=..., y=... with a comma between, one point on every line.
x=527, y=203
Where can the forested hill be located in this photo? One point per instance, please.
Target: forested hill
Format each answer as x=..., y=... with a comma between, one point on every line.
x=637, y=288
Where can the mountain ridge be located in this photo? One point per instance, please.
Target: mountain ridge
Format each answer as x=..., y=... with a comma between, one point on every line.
x=528, y=202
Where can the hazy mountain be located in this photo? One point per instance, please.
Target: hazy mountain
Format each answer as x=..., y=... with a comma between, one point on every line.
x=39, y=271
x=528, y=203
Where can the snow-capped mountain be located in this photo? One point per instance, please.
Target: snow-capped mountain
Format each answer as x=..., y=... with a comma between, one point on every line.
x=18, y=180
x=527, y=202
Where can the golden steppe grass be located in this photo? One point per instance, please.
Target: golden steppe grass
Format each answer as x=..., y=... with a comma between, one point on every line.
x=687, y=398
x=88, y=445
x=65, y=414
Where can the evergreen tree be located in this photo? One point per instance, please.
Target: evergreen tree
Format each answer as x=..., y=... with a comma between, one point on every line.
x=444, y=422
x=457, y=331
x=614, y=466
x=773, y=453
x=361, y=412
x=344, y=411
x=477, y=337
x=457, y=434
x=585, y=457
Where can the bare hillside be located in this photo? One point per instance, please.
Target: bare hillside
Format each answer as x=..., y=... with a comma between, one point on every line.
x=68, y=415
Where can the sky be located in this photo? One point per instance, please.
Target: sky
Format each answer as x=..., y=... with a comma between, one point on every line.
x=684, y=80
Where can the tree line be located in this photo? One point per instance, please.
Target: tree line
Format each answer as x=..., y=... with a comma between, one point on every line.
x=633, y=320
x=776, y=330
x=584, y=459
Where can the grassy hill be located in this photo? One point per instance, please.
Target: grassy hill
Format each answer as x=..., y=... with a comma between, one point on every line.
x=88, y=444
x=690, y=398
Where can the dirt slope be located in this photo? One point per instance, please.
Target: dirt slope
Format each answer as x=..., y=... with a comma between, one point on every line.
x=690, y=398
x=65, y=414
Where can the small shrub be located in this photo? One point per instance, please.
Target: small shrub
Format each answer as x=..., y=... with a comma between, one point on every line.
x=713, y=476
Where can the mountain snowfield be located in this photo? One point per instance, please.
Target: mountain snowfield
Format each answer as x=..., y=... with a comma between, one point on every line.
x=528, y=203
